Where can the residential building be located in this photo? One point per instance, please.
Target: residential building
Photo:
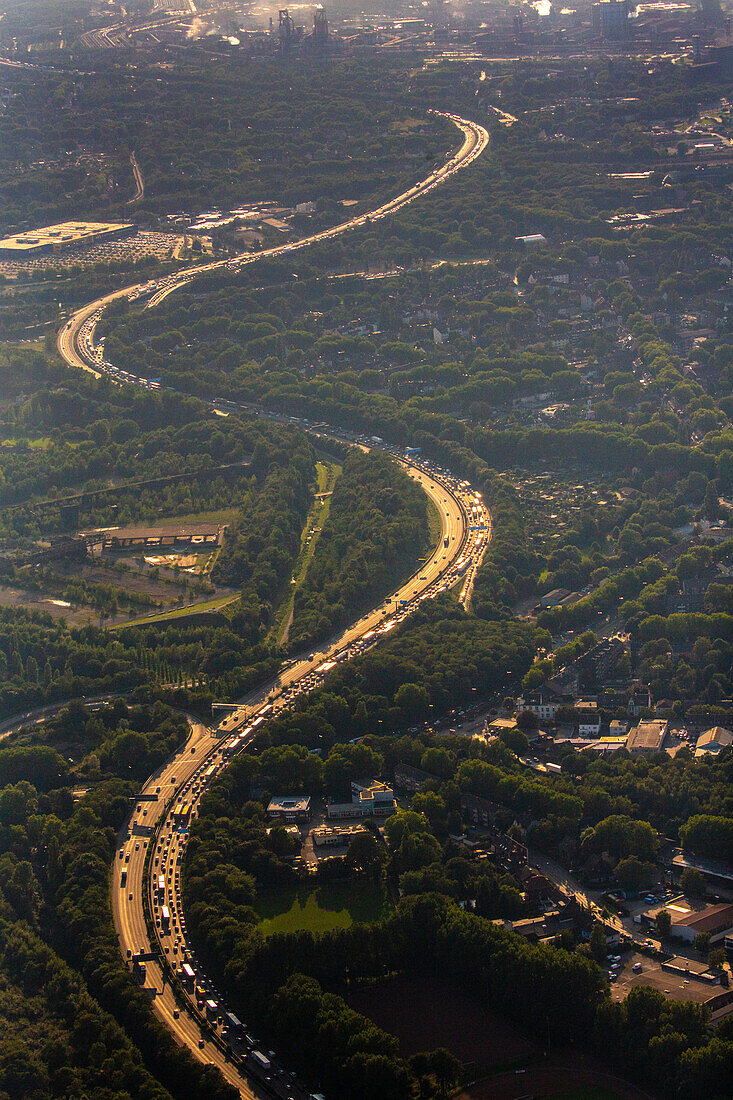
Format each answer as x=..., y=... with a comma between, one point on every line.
x=588, y=717
x=543, y=701
x=411, y=779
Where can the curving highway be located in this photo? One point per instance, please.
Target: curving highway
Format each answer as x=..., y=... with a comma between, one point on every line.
x=76, y=339
x=151, y=846
x=158, y=827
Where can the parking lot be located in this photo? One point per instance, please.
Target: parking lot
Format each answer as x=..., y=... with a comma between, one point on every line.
x=672, y=984
x=125, y=251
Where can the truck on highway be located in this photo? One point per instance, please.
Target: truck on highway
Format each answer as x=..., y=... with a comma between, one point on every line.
x=446, y=541
x=165, y=918
x=188, y=976
x=261, y=1060
x=123, y=877
x=212, y=1010
x=161, y=885
x=234, y=1025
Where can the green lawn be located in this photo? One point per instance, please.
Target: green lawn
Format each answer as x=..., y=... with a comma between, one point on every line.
x=319, y=908
x=217, y=603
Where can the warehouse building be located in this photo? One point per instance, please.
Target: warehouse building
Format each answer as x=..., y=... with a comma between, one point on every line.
x=715, y=920
x=62, y=237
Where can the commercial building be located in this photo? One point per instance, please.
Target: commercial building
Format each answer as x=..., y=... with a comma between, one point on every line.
x=532, y=240
x=648, y=735
x=369, y=798
x=290, y=807
x=328, y=836
x=59, y=238
x=713, y=741
x=611, y=18
x=190, y=534
x=716, y=920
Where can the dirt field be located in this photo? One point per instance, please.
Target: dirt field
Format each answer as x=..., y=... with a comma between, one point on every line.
x=424, y=1014
x=558, y=1081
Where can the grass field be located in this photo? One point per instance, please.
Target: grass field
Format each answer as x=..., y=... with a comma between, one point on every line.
x=217, y=603
x=319, y=908
x=435, y=524
x=577, y=1079
x=328, y=473
x=447, y=1018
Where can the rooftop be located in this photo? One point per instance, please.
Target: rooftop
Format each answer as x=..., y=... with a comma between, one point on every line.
x=713, y=740
x=291, y=802
x=61, y=233
x=710, y=919
x=648, y=735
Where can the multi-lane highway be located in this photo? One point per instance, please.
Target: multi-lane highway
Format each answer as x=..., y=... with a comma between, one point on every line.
x=147, y=899
x=152, y=844
x=76, y=340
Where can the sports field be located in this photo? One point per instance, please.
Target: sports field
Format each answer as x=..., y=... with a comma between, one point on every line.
x=319, y=908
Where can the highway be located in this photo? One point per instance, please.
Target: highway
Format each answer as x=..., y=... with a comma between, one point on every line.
x=75, y=341
x=158, y=826
x=151, y=832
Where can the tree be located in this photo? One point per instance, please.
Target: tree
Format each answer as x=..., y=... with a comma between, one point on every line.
x=413, y=700
x=366, y=854
x=598, y=944
x=716, y=957
x=527, y=721
x=445, y=1067
x=692, y=882
x=702, y=942
x=663, y=921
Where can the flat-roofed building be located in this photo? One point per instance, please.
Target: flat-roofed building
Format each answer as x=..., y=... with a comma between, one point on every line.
x=648, y=735
x=59, y=238
x=329, y=836
x=290, y=807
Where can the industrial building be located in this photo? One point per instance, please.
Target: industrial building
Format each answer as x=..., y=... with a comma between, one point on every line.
x=60, y=238
x=715, y=920
x=126, y=538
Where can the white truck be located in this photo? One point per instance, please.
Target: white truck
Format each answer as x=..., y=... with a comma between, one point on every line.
x=261, y=1060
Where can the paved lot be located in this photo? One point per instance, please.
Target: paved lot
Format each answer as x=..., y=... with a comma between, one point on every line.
x=673, y=985
x=133, y=248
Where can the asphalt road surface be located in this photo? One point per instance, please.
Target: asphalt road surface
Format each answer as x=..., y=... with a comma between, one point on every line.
x=182, y=781
x=75, y=341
